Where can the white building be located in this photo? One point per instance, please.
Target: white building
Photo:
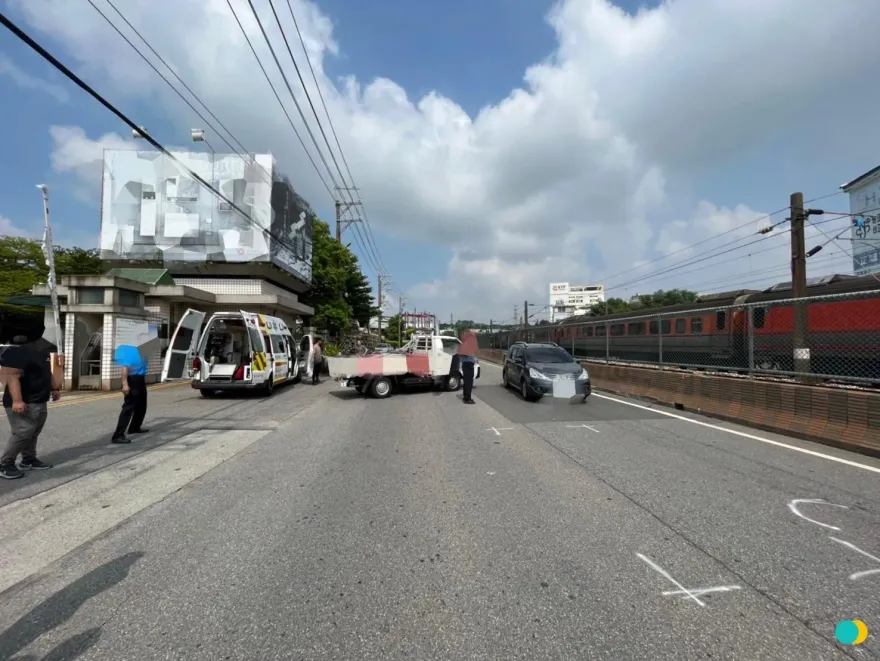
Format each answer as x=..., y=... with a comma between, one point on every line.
x=864, y=204
x=567, y=300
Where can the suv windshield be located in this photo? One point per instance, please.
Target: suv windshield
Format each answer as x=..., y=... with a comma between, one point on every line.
x=547, y=355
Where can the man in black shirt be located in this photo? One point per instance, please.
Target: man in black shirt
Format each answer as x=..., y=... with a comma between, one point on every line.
x=29, y=386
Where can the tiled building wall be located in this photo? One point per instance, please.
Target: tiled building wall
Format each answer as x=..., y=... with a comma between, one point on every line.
x=254, y=287
x=158, y=311
x=109, y=370
x=69, y=326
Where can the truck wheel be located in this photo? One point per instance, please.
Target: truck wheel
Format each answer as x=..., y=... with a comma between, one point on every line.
x=453, y=382
x=269, y=388
x=207, y=393
x=381, y=388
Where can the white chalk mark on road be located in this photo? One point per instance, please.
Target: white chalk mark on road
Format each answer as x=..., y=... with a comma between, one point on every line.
x=499, y=430
x=665, y=574
x=583, y=427
x=813, y=501
x=859, y=574
x=702, y=591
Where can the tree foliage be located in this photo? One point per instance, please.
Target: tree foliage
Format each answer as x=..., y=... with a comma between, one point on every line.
x=658, y=299
x=392, y=327
x=340, y=292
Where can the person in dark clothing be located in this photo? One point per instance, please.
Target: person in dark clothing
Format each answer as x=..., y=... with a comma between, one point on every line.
x=318, y=362
x=467, y=356
x=30, y=385
x=134, y=387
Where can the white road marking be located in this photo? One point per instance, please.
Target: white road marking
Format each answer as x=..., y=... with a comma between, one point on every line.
x=813, y=501
x=583, y=427
x=753, y=437
x=665, y=574
x=859, y=574
x=499, y=430
x=702, y=591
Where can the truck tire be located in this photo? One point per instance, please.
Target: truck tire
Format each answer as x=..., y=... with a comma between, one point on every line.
x=381, y=387
x=453, y=382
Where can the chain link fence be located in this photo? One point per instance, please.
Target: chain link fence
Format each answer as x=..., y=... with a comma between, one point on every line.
x=841, y=338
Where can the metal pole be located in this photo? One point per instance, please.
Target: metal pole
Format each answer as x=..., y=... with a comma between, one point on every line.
x=50, y=262
x=799, y=286
x=751, y=340
x=660, y=338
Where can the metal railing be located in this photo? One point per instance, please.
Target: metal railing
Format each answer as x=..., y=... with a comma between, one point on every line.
x=842, y=340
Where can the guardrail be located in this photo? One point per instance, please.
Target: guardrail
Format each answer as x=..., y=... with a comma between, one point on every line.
x=845, y=417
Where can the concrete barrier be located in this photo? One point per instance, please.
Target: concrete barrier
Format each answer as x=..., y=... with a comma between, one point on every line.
x=843, y=417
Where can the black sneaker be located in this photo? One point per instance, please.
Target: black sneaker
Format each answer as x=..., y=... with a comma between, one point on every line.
x=119, y=440
x=33, y=464
x=142, y=430
x=10, y=473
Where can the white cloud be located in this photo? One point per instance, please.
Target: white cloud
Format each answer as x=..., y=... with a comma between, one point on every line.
x=76, y=154
x=8, y=228
x=566, y=178
x=26, y=81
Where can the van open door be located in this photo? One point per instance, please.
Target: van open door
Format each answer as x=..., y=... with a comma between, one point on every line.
x=306, y=349
x=183, y=345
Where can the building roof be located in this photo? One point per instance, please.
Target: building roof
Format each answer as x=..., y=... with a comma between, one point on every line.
x=860, y=179
x=147, y=276
x=35, y=301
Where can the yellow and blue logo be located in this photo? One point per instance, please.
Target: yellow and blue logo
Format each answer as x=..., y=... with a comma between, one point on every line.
x=851, y=632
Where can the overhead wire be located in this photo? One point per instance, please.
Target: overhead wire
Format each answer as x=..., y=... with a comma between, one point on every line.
x=299, y=107
x=46, y=55
x=369, y=232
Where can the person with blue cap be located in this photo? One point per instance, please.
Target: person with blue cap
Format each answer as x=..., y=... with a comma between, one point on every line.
x=134, y=388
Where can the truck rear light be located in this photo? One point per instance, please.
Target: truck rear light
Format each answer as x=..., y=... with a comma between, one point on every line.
x=197, y=364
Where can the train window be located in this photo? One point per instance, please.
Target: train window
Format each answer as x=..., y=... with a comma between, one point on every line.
x=680, y=326
x=589, y=331
x=720, y=320
x=617, y=329
x=696, y=324
x=636, y=328
x=665, y=326
x=600, y=331
x=759, y=316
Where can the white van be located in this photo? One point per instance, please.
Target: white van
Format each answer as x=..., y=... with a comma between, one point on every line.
x=232, y=351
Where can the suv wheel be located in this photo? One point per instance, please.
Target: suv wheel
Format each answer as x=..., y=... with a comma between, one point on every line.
x=524, y=389
x=504, y=381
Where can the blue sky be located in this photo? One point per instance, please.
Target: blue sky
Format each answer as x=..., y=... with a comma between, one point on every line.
x=474, y=54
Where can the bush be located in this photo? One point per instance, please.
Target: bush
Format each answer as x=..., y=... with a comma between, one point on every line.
x=331, y=350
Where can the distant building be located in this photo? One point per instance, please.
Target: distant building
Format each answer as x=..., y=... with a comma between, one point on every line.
x=568, y=300
x=864, y=204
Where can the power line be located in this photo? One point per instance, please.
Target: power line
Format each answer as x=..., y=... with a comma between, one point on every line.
x=333, y=128
x=278, y=97
x=18, y=32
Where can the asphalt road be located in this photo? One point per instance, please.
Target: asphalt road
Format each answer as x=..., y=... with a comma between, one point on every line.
x=321, y=525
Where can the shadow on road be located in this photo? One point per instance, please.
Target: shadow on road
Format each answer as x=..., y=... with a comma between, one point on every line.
x=60, y=607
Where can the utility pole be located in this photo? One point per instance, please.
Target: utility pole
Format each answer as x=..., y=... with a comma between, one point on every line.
x=400, y=320
x=515, y=314
x=526, y=314
x=799, y=284
x=342, y=207
x=379, y=303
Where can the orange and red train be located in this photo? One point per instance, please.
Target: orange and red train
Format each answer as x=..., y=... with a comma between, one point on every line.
x=738, y=330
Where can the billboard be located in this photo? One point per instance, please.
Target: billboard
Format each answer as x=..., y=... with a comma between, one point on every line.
x=864, y=204
x=152, y=209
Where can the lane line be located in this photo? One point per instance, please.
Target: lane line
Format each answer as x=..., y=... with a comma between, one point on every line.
x=753, y=437
x=97, y=398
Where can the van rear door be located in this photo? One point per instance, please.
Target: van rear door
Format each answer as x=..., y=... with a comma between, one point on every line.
x=183, y=345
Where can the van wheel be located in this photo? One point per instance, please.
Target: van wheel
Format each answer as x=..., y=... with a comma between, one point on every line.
x=381, y=388
x=270, y=386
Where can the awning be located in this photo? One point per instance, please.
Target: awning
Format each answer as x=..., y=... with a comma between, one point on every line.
x=34, y=301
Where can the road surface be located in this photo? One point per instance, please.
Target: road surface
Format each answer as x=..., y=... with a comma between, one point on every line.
x=321, y=525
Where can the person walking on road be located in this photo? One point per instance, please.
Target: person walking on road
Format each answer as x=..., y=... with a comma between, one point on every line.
x=318, y=362
x=467, y=356
x=30, y=385
x=134, y=387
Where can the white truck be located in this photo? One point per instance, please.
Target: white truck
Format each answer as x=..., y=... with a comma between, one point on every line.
x=425, y=361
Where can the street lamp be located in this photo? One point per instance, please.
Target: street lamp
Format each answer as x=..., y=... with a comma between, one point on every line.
x=51, y=281
x=139, y=132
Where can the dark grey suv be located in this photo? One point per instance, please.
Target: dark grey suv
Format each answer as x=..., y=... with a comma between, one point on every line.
x=534, y=368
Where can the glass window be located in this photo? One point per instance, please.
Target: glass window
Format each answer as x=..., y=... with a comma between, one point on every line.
x=129, y=298
x=680, y=326
x=617, y=329
x=760, y=317
x=601, y=331
x=547, y=355
x=450, y=345
x=696, y=325
x=720, y=320
x=90, y=295
x=636, y=328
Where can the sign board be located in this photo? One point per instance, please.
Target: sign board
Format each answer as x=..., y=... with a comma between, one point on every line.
x=864, y=204
x=559, y=288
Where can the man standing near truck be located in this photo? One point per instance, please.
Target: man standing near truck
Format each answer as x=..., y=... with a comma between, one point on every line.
x=467, y=351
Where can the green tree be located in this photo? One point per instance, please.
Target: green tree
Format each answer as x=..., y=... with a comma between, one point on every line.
x=359, y=295
x=340, y=292
x=78, y=261
x=391, y=327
